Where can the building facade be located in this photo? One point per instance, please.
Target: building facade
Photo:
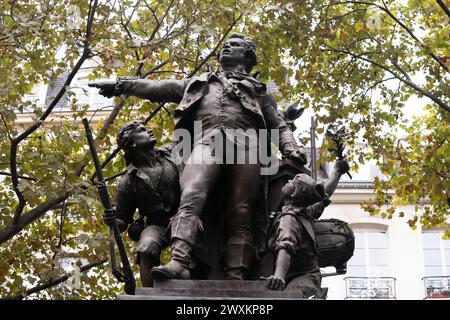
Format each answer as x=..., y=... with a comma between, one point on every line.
x=390, y=261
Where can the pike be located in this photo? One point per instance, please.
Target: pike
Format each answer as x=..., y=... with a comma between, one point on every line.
x=114, y=233
x=313, y=149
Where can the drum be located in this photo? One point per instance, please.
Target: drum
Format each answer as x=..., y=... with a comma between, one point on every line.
x=335, y=243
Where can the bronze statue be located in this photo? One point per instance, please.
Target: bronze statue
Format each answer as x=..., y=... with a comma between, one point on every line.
x=151, y=186
x=229, y=98
x=292, y=237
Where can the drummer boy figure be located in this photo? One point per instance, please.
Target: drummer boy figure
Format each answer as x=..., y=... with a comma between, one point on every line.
x=292, y=238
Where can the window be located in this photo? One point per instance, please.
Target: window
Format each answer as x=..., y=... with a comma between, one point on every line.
x=370, y=258
x=436, y=252
x=368, y=269
x=36, y=96
x=90, y=96
x=80, y=90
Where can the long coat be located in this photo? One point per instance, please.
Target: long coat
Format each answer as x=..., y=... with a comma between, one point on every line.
x=253, y=96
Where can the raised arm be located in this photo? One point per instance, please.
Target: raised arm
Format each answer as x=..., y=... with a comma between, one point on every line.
x=315, y=210
x=154, y=90
x=341, y=167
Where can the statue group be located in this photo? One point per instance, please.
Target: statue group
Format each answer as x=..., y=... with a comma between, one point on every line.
x=211, y=207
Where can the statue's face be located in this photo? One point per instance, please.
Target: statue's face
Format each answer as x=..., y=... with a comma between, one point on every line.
x=143, y=136
x=300, y=192
x=233, y=52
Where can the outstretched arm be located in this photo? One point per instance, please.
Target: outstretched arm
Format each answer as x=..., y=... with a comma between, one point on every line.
x=340, y=167
x=153, y=90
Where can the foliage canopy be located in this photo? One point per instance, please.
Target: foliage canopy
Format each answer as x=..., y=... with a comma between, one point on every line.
x=356, y=63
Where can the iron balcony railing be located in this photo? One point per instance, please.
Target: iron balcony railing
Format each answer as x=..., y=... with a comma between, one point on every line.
x=370, y=287
x=437, y=287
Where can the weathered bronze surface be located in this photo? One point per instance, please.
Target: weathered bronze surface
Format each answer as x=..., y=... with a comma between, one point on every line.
x=219, y=216
x=150, y=186
x=292, y=238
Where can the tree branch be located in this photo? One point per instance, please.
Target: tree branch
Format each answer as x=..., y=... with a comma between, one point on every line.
x=103, y=131
x=377, y=83
x=152, y=11
x=409, y=31
x=159, y=22
x=444, y=7
x=2, y=173
x=402, y=71
x=24, y=220
x=125, y=27
x=127, y=30
x=213, y=52
x=90, y=21
x=422, y=91
x=10, y=231
x=52, y=283
x=162, y=64
x=343, y=15
x=24, y=135
x=32, y=215
x=6, y=126
x=385, y=9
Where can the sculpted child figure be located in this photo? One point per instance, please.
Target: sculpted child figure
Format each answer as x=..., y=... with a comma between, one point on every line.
x=292, y=238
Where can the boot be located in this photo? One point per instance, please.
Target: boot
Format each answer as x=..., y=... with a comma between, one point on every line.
x=236, y=274
x=178, y=266
x=238, y=260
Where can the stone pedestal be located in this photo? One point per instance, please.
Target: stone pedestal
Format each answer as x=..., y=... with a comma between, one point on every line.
x=231, y=289
x=210, y=290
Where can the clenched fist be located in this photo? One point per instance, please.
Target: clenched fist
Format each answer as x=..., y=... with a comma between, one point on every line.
x=298, y=157
x=342, y=166
x=109, y=216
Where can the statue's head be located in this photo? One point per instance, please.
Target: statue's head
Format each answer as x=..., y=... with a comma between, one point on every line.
x=237, y=49
x=303, y=190
x=133, y=135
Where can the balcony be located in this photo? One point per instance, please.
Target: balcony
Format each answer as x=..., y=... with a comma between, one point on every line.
x=370, y=288
x=437, y=287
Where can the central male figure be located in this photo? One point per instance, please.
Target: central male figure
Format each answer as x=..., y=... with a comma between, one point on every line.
x=226, y=99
